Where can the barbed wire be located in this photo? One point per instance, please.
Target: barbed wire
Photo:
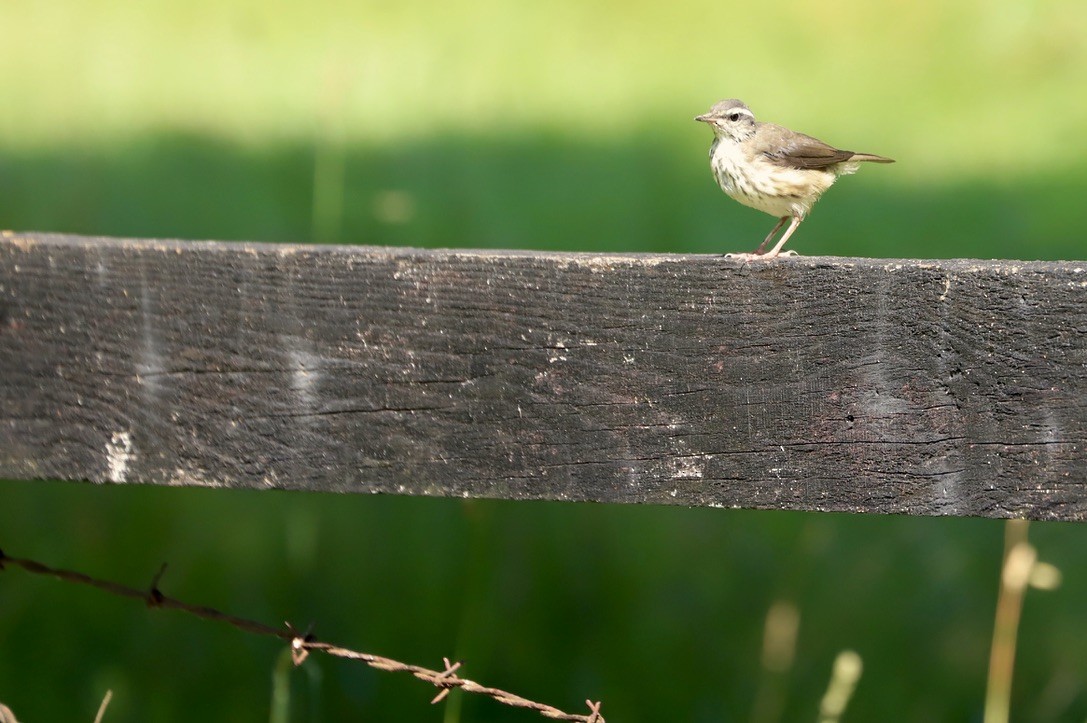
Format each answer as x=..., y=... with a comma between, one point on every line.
x=302, y=644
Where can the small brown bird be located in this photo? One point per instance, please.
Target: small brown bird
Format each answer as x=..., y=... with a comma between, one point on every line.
x=773, y=169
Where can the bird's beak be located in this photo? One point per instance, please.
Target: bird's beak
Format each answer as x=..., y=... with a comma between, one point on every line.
x=704, y=118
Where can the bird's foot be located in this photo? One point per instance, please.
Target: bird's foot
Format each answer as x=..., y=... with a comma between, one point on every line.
x=756, y=256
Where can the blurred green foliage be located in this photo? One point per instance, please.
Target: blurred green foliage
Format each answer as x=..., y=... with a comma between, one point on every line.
x=561, y=125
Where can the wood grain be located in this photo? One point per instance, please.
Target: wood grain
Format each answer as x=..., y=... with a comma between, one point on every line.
x=865, y=385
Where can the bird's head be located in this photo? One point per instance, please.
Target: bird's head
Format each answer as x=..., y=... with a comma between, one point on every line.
x=729, y=119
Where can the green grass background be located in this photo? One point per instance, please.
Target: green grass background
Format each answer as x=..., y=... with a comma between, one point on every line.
x=557, y=125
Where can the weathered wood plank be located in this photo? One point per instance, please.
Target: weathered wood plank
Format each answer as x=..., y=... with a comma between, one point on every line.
x=926, y=387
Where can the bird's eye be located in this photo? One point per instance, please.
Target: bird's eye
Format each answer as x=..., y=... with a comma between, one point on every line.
x=734, y=117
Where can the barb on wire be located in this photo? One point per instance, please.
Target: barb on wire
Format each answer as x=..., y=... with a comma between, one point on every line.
x=302, y=644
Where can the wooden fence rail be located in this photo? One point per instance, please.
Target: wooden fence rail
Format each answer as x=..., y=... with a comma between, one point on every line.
x=868, y=385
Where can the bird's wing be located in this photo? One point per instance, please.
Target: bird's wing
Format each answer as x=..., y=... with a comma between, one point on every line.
x=796, y=150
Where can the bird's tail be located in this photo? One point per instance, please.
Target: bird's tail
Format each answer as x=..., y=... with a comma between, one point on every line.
x=870, y=157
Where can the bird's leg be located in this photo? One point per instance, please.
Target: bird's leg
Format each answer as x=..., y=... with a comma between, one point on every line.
x=760, y=255
x=780, y=223
x=788, y=232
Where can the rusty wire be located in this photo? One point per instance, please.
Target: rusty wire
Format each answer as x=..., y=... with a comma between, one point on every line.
x=302, y=644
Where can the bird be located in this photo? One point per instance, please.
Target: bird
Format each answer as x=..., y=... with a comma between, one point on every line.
x=771, y=168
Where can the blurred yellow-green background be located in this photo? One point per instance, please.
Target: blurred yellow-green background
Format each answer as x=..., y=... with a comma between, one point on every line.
x=547, y=125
